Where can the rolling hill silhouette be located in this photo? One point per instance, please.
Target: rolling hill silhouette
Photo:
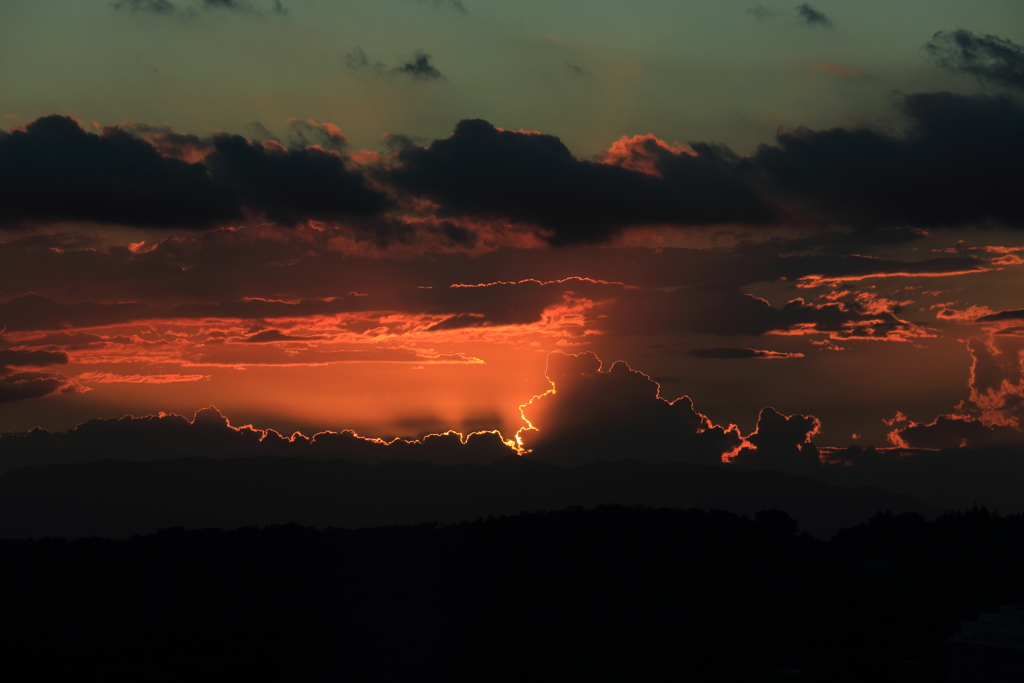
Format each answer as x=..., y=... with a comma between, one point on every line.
x=116, y=499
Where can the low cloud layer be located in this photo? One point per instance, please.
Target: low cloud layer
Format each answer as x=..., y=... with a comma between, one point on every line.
x=956, y=165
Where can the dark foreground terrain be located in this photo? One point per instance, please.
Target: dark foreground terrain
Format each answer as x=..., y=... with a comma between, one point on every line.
x=118, y=499
x=611, y=593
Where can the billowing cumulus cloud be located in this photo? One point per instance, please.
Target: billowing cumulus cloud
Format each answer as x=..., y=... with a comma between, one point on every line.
x=290, y=186
x=54, y=170
x=484, y=184
x=986, y=57
x=993, y=414
x=614, y=414
x=781, y=442
x=210, y=434
x=534, y=178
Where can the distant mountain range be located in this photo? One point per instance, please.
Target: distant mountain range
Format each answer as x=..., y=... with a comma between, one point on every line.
x=117, y=499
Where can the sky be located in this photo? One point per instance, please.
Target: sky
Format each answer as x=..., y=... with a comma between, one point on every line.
x=404, y=217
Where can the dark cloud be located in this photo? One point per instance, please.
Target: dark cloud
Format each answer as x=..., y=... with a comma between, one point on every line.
x=617, y=414
x=33, y=359
x=988, y=58
x=731, y=353
x=54, y=170
x=454, y=4
x=812, y=17
x=291, y=186
x=210, y=434
x=1000, y=316
x=958, y=164
x=19, y=386
x=271, y=336
x=147, y=6
x=419, y=68
x=781, y=443
x=168, y=8
x=955, y=431
x=16, y=386
x=723, y=312
x=528, y=177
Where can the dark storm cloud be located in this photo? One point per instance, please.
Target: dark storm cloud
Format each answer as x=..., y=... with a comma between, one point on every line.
x=988, y=58
x=615, y=415
x=419, y=68
x=812, y=17
x=958, y=164
x=55, y=170
x=480, y=169
x=291, y=186
x=728, y=353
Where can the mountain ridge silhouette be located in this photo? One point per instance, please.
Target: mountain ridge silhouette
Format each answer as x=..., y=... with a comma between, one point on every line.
x=118, y=499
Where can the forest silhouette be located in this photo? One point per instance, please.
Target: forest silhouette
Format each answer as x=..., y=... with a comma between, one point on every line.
x=609, y=593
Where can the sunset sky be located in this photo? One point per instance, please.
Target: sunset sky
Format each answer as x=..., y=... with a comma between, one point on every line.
x=385, y=216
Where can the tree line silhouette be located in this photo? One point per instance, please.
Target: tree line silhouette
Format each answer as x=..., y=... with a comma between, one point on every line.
x=603, y=593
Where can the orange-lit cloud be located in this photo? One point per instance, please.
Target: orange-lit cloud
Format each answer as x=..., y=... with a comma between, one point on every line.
x=640, y=153
x=111, y=378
